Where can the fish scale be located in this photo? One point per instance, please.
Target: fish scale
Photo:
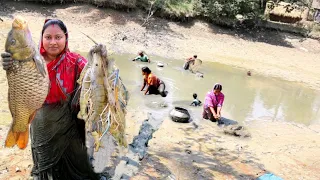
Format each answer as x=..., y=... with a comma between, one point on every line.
x=25, y=93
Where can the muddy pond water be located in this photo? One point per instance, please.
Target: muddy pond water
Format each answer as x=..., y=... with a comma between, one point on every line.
x=246, y=97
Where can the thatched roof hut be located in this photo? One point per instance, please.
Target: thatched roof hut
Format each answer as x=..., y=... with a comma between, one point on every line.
x=284, y=12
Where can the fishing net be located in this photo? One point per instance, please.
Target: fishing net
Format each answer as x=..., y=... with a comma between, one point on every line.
x=194, y=67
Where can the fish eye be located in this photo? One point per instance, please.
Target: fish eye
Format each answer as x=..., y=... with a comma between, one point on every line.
x=13, y=42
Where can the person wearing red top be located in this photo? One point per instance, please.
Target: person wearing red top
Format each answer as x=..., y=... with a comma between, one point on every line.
x=153, y=83
x=189, y=61
x=57, y=136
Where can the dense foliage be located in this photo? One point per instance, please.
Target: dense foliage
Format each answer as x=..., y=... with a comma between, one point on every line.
x=212, y=10
x=206, y=8
x=231, y=8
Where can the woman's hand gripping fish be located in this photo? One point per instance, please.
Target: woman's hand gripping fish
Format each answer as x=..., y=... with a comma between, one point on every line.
x=28, y=82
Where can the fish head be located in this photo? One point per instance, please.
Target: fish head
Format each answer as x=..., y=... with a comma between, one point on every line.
x=19, y=41
x=99, y=57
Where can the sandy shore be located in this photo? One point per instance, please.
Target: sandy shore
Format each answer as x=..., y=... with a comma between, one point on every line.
x=289, y=150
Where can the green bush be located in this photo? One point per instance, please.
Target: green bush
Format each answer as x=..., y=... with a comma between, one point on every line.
x=212, y=9
x=230, y=8
x=179, y=8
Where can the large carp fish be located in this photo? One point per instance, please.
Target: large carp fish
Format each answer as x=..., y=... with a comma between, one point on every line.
x=28, y=82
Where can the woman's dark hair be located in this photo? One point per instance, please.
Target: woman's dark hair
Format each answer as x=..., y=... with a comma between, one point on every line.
x=146, y=70
x=58, y=22
x=217, y=87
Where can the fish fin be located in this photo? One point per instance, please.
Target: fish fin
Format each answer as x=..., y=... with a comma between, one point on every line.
x=31, y=117
x=23, y=138
x=11, y=138
x=40, y=64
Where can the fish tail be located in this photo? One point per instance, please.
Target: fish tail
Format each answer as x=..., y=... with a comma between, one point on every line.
x=11, y=138
x=19, y=138
x=23, y=139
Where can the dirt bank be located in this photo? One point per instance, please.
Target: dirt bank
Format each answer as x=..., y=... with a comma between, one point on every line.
x=291, y=151
x=265, y=52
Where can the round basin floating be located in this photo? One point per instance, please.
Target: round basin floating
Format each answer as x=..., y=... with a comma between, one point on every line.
x=160, y=64
x=180, y=115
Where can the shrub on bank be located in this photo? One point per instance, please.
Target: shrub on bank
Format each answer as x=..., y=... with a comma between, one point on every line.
x=180, y=9
x=231, y=8
x=223, y=12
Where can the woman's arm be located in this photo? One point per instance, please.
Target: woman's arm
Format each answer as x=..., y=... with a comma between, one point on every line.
x=148, y=59
x=213, y=112
x=144, y=85
x=219, y=106
x=136, y=58
x=147, y=90
x=219, y=111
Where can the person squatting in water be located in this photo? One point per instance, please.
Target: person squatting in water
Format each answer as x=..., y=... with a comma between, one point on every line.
x=153, y=83
x=213, y=104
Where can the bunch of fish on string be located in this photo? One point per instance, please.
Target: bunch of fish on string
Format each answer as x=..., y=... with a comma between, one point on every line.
x=103, y=98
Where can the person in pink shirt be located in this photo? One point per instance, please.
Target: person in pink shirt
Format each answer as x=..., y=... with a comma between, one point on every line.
x=213, y=103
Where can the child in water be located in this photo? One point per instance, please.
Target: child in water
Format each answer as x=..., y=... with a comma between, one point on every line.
x=195, y=102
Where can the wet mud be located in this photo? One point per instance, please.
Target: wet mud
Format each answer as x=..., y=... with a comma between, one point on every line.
x=137, y=150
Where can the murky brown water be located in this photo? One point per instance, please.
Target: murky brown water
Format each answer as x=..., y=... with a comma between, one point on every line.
x=246, y=98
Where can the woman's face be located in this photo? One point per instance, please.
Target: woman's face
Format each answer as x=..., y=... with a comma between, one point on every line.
x=144, y=73
x=54, y=40
x=216, y=91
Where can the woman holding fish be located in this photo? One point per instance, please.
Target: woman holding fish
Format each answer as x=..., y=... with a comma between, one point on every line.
x=57, y=136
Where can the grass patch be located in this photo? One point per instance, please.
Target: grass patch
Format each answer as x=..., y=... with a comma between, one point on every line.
x=180, y=8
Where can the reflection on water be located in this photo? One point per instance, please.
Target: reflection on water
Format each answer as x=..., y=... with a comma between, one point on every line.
x=247, y=98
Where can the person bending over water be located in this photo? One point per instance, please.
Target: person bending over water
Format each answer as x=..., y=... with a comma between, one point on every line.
x=155, y=85
x=196, y=101
x=142, y=57
x=57, y=136
x=189, y=61
x=213, y=103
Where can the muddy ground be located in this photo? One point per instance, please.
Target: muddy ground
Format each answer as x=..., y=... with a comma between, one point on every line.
x=184, y=151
